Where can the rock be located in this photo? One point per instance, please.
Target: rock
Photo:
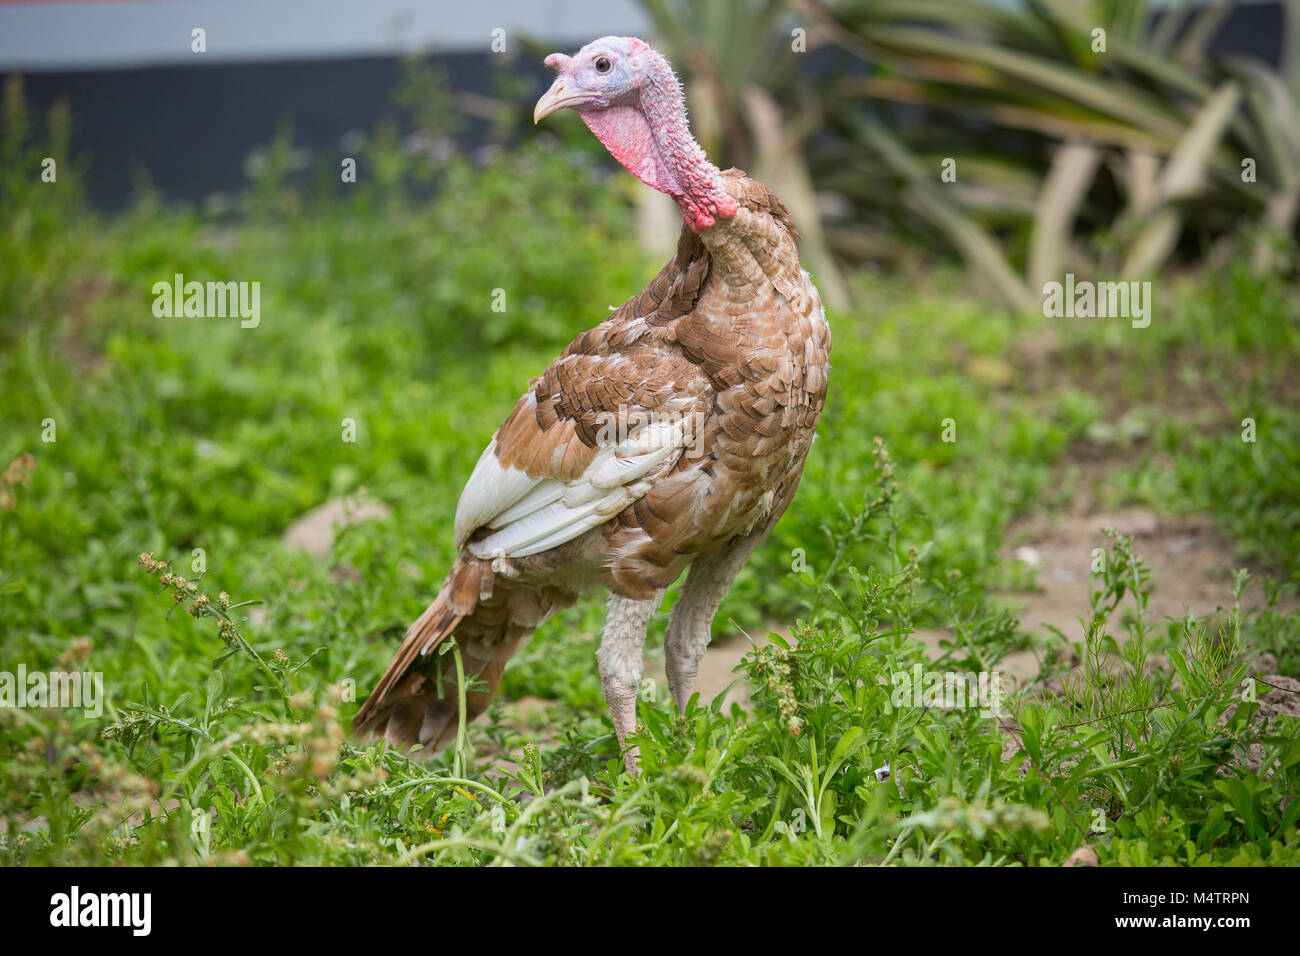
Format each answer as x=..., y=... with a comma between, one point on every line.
x=1084, y=856
x=1027, y=555
x=991, y=371
x=313, y=532
x=1136, y=523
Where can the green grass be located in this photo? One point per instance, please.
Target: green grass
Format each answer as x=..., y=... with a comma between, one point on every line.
x=228, y=742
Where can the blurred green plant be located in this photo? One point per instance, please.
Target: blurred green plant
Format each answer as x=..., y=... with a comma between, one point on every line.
x=1065, y=118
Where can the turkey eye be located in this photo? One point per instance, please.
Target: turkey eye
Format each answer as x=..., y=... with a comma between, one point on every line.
x=603, y=65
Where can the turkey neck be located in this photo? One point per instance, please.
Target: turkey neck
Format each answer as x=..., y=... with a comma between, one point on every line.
x=699, y=181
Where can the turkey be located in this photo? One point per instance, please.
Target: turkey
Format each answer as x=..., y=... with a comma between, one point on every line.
x=671, y=435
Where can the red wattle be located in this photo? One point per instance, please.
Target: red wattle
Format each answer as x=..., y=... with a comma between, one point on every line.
x=625, y=132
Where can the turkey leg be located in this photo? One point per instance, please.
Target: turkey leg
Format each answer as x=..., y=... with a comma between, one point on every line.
x=689, y=626
x=619, y=663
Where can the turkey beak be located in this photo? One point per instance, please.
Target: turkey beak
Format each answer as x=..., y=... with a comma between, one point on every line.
x=556, y=98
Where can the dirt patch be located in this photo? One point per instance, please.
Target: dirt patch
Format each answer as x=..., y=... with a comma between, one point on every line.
x=718, y=670
x=1280, y=696
x=1191, y=570
x=1191, y=564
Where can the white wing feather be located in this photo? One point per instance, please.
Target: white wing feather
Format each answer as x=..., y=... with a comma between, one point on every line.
x=531, y=515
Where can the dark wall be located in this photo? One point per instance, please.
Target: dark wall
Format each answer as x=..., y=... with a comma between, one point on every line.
x=192, y=127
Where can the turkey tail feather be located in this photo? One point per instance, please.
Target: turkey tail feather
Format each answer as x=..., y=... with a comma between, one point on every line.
x=409, y=705
x=423, y=637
